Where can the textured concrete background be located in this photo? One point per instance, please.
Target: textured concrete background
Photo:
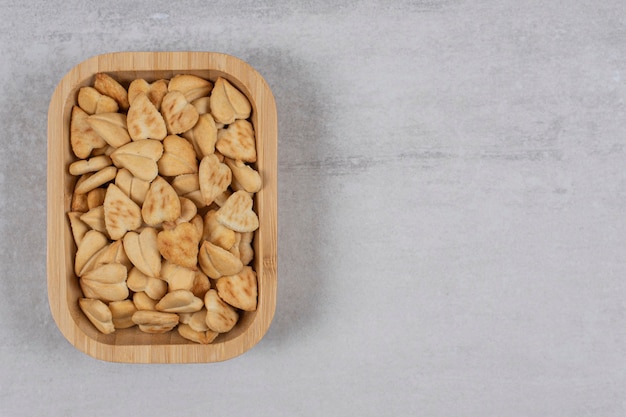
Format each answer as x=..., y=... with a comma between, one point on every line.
x=452, y=208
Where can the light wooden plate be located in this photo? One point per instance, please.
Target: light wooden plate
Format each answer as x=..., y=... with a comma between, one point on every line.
x=131, y=345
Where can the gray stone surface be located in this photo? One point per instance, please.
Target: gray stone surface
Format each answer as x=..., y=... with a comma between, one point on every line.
x=452, y=195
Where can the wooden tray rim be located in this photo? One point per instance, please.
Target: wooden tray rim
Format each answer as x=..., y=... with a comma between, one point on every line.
x=176, y=62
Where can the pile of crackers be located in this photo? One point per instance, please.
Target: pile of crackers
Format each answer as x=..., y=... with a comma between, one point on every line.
x=162, y=212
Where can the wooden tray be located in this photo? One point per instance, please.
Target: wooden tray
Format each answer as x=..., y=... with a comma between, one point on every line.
x=132, y=345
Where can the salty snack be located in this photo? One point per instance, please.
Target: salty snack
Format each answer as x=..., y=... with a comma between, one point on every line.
x=89, y=245
x=192, y=87
x=121, y=214
x=141, y=248
x=108, y=86
x=177, y=277
x=95, y=197
x=178, y=157
x=92, y=101
x=162, y=209
x=216, y=262
x=83, y=166
x=203, y=135
x=179, y=301
x=154, y=288
x=155, y=321
x=134, y=187
x=122, y=312
x=79, y=228
x=214, y=178
x=180, y=244
x=239, y=290
x=162, y=204
x=179, y=114
x=237, y=213
x=228, y=103
x=144, y=119
x=93, y=180
x=111, y=127
x=82, y=136
x=237, y=141
x=154, y=91
x=142, y=301
x=202, y=337
x=217, y=233
x=140, y=158
x=98, y=313
x=220, y=316
x=94, y=218
x=246, y=176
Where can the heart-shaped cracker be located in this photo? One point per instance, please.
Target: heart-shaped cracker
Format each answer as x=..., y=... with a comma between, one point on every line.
x=143, y=251
x=193, y=87
x=82, y=136
x=144, y=120
x=154, y=91
x=137, y=281
x=247, y=176
x=122, y=312
x=228, y=103
x=201, y=284
x=98, y=314
x=111, y=127
x=214, y=178
x=162, y=204
x=121, y=214
x=237, y=213
x=197, y=321
x=90, y=100
x=132, y=186
x=188, y=210
x=79, y=201
x=246, y=253
x=106, y=85
x=177, y=277
x=95, y=197
x=79, y=228
x=155, y=322
x=142, y=301
x=186, y=183
x=180, y=245
x=202, y=337
x=237, y=141
x=239, y=290
x=217, y=262
x=203, y=136
x=140, y=158
x=179, y=114
x=91, y=243
x=188, y=186
x=220, y=317
x=235, y=248
x=178, y=158
x=94, y=218
x=94, y=164
x=109, y=254
x=217, y=233
x=203, y=105
x=179, y=301
x=102, y=291
x=93, y=180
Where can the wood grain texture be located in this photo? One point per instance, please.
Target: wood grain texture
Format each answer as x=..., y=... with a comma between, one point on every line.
x=131, y=345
